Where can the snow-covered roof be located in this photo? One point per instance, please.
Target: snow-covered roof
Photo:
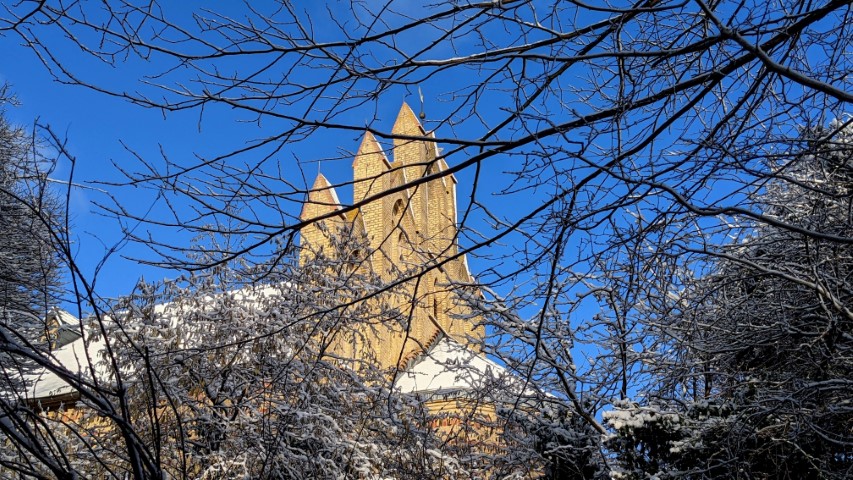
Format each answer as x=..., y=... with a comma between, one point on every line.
x=63, y=317
x=44, y=384
x=451, y=368
x=67, y=326
x=445, y=368
x=72, y=357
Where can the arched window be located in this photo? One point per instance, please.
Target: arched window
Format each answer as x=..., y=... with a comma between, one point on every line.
x=435, y=307
x=398, y=238
x=397, y=211
x=401, y=244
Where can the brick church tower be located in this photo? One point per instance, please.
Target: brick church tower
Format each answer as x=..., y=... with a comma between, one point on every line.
x=411, y=234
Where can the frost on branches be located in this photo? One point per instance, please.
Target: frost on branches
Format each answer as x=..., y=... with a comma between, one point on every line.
x=29, y=265
x=218, y=376
x=656, y=441
x=761, y=348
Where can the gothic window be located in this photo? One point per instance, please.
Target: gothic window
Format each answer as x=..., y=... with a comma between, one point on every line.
x=435, y=307
x=401, y=241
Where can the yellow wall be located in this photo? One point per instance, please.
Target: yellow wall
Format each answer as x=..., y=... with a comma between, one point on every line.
x=406, y=230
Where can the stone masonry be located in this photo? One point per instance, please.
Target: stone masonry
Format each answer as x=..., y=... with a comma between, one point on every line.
x=411, y=233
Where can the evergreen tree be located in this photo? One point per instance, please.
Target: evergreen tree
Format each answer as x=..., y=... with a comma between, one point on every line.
x=28, y=262
x=765, y=340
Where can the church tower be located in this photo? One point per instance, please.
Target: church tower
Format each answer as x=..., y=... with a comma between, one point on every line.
x=411, y=235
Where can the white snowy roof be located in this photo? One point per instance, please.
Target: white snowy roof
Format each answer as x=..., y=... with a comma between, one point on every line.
x=72, y=357
x=447, y=367
x=44, y=384
x=450, y=367
x=63, y=317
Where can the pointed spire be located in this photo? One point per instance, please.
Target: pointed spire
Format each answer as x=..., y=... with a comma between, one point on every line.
x=322, y=198
x=321, y=182
x=324, y=192
x=368, y=167
x=369, y=146
x=407, y=123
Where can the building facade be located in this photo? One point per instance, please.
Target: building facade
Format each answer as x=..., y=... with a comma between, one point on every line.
x=402, y=238
x=405, y=211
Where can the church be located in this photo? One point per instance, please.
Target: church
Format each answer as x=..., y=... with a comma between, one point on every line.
x=406, y=211
x=411, y=239
x=403, y=215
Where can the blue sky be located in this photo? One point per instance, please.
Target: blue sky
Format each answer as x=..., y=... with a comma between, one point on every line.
x=93, y=124
x=101, y=131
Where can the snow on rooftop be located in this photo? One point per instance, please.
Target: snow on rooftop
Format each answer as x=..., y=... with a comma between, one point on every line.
x=451, y=367
x=447, y=367
x=63, y=317
x=74, y=357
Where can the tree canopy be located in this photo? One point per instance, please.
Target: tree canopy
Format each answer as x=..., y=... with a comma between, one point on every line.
x=28, y=261
x=754, y=375
x=657, y=193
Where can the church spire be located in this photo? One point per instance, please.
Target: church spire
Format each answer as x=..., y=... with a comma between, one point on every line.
x=413, y=155
x=369, y=167
x=404, y=229
x=407, y=123
x=322, y=200
x=322, y=197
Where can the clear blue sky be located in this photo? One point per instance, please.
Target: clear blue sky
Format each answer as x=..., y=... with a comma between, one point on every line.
x=100, y=129
x=93, y=125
